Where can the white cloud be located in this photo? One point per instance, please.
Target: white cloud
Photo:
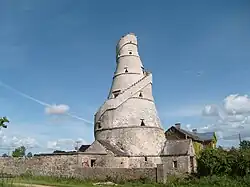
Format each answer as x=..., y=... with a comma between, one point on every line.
x=13, y=141
x=65, y=144
x=236, y=104
x=233, y=117
x=27, y=142
x=57, y=109
x=210, y=110
x=3, y=138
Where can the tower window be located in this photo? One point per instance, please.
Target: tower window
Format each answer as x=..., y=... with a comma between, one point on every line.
x=99, y=125
x=126, y=70
x=140, y=94
x=130, y=52
x=116, y=93
x=142, y=122
x=146, y=159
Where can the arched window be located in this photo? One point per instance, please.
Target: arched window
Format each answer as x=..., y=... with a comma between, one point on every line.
x=126, y=70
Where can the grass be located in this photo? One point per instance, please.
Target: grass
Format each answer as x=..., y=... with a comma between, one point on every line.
x=215, y=181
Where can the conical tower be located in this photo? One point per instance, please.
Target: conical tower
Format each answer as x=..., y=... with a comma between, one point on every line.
x=128, y=118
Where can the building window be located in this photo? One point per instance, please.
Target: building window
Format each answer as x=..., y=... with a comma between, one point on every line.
x=146, y=159
x=142, y=122
x=92, y=162
x=116, y=93
x=126, y=70
x=98, y=124
x=130, y=52
x=140, y=94
x=175, y=164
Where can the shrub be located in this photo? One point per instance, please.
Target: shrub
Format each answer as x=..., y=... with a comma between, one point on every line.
x=235, y=162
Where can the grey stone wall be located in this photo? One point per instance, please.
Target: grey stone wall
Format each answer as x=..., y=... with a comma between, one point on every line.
x=67, y=166
x=177, y=164
x=72, y=166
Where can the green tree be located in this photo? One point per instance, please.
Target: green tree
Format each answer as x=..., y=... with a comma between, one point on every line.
x=29, y=155
x=19, y=152
x=5, y=155
x=245, y=144
x=3, y=122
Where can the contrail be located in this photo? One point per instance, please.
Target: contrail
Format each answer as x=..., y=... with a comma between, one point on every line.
x=23, y=94
x=39, y=101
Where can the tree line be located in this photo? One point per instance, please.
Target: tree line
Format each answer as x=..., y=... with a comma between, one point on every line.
x=233, y=162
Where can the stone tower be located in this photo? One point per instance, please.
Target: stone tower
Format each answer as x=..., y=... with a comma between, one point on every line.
x=128, y=119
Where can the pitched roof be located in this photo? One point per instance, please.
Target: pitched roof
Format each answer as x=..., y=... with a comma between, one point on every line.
x=101, y=147
x=113, y=148
x=207, y=136
x=96, y=148
x=176, y=147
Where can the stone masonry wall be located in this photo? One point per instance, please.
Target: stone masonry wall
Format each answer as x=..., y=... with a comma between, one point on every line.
x=67, y=166
x=183, y=164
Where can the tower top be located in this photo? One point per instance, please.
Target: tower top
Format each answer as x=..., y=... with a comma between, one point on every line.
x=125, y=39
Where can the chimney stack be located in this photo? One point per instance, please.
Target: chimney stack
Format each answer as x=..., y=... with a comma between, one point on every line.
x=194, y=130
x=178, y=125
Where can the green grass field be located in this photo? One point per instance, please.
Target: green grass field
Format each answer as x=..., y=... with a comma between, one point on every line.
x=172, y=182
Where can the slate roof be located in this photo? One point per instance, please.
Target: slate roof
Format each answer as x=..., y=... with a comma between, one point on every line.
x=83, y=148
x=207, y=136
x=176, y=147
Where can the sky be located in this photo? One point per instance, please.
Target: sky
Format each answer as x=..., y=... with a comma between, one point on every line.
x=57, y=59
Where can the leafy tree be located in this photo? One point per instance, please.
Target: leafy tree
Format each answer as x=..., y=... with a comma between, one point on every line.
x=29, y=155
x=3, y=120
x=5, y=155
x=235, y=162
x=245, y=144
x=213, y=162
x=19, y=152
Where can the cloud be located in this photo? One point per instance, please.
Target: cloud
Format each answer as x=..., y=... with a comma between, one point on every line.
x=14, y=141
x=57, y=109
x=27, y=142
x=236, y=104
x=210, y=110
x=231, y=118
x=65, y=144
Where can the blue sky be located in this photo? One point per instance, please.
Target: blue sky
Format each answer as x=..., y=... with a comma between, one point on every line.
x=63, y=52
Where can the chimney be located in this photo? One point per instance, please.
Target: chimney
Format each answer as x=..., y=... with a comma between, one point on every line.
x=178, y=125
x=194, y=130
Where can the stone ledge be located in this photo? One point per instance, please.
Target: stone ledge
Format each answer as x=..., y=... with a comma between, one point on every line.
x=130, y=127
